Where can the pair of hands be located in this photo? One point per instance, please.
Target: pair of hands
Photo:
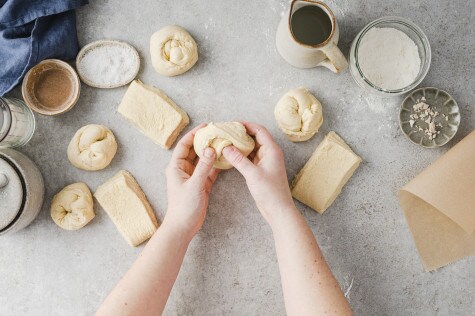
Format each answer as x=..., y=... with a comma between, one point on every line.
x=190, y=179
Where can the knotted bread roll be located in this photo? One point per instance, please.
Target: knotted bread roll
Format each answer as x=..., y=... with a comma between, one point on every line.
x=220, y=135
x=299, y=114
x=72, y=207
x=92, y=147
x=173, y=51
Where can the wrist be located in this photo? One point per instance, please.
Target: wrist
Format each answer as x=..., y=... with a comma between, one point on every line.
x=282, y=216
x=175, y=231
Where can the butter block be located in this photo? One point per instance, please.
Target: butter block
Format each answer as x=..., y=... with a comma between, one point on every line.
x=322, y=178
x=128, y=207
x=153, y=113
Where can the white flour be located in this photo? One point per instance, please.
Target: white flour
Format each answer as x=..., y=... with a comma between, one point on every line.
x=389, y=58
x=108, y=64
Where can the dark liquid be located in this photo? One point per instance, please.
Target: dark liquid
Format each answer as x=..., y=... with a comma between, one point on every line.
x=311, y=25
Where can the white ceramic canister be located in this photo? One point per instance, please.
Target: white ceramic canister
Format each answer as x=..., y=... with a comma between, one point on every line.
x=21, y=191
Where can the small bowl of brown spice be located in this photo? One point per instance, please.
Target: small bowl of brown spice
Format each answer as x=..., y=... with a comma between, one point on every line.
x=52, y=87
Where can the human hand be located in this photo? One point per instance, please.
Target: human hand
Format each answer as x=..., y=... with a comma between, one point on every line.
x=264, y=171
x=189, y=183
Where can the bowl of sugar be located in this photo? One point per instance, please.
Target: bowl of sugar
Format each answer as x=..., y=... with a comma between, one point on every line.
x=107, y=64
x=390, y=56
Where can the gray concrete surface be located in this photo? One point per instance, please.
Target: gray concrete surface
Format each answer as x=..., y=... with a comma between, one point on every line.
x=231, y=268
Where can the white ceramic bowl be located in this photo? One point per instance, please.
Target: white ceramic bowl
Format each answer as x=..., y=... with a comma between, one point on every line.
x=93, y=80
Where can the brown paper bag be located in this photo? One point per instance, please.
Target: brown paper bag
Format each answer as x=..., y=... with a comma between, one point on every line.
x=439, y=205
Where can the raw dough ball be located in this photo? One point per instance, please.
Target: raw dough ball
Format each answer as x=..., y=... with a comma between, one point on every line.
x=173, y=51
x=299, y=114
x=72, y=207
x=220, y=135
x=92, y=147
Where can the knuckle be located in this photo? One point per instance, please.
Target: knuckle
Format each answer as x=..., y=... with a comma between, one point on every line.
x=263, y=130
x=205, y=162
x=237, y=157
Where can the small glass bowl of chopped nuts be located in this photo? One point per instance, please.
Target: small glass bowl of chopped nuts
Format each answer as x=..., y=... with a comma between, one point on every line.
x=429, y=117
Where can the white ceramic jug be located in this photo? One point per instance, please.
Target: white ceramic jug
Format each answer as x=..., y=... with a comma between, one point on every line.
x=301, y=55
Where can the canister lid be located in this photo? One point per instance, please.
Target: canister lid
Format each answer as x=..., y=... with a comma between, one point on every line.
x=11, y=193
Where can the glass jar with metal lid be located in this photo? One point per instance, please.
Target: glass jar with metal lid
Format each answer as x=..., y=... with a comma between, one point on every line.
x=17, y=123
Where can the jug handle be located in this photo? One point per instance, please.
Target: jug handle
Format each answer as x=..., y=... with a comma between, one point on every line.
x=335, y=60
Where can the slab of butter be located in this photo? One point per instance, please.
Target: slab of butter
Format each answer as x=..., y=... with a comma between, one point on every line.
x=153, y=113
x=321, y=179
x=128, y=207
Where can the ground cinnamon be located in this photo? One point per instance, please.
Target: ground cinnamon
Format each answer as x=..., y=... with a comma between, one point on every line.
x=53, y=88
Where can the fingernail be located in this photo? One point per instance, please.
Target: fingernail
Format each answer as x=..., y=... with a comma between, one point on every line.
x=208, y=152
x=227, y=149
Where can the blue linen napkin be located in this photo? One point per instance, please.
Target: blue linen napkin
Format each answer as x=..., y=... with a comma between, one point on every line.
x=34, y=30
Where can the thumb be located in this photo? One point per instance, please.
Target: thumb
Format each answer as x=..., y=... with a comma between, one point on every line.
x=204, y=166
x=238, y=160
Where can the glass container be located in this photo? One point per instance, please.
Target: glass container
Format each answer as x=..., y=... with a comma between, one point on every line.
x=17, y=123
x=414, y=33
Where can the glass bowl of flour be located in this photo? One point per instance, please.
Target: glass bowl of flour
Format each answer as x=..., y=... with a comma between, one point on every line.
x=390, y=56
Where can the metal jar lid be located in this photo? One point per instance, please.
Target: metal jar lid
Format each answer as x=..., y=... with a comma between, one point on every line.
x=12, y=192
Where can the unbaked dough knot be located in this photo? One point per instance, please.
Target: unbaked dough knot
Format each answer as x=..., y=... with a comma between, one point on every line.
x=173, y=51
x=221, y=135
x=299, y=114
x=92, y=148
x=219, y=144
x=72, y=207
x=177, y=52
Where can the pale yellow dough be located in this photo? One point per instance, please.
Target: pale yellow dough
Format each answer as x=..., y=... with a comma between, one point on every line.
x=322, y=178
x=92, y=148
x=153, y=113
x=128, y=207
x=72, y=207
x=173, y=51
x=220, y=135
x=299, y=114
